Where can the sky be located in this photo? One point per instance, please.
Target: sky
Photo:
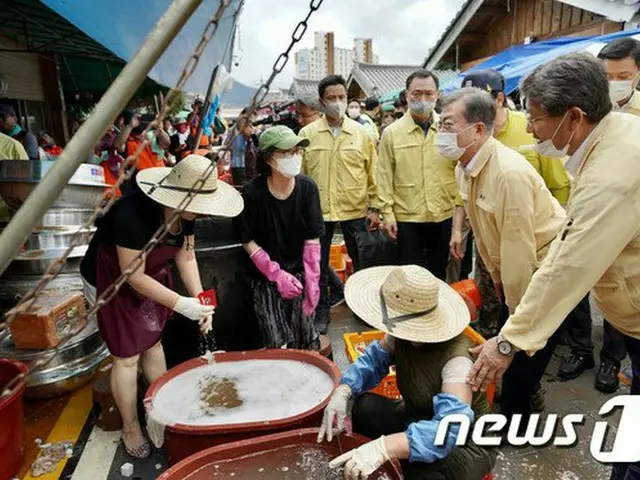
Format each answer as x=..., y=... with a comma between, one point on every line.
x=403, y=31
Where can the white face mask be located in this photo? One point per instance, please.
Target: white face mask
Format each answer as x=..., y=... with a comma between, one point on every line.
x=447, y=144
x=548, y=149
x=290, y=165
x=422, y=107
x=336, y=109
x=354, y=113
x=620, y=90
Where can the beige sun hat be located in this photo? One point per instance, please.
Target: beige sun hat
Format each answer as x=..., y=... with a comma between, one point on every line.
x=407, y=302
x=169, y=187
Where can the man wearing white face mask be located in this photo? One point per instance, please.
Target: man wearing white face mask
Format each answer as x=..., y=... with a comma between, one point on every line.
x=622, y=63
x=513, y=215
x=597, y=249
x=416, y=185
x=280, y=229
x=341, y=158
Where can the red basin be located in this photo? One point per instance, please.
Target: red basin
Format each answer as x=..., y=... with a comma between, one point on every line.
x=271, y=457
x=11, y=419
x=182, y=440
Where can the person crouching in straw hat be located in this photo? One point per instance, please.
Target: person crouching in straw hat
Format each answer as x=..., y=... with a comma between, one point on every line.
x=424, y=320
x=131, y=323
x=280, y=229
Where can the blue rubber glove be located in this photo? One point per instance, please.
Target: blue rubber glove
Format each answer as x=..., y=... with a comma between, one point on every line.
x=368, y=370
x=422, y=434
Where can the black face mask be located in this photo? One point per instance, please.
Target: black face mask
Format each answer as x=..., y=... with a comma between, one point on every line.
x=398, y=115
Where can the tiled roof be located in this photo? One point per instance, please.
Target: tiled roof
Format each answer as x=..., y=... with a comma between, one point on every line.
x=300, y=85
x=380, y=80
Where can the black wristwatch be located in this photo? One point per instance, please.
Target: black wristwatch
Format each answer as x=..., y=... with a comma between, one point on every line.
x=504, y=346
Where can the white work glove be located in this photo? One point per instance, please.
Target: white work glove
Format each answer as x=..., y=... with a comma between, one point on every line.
x=192, y=308
x=336, y=411
x=362, y=461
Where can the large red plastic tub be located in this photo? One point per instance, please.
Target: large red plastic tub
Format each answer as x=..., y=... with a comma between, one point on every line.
x=182, y=440
x=293, y=455
x=11, y=419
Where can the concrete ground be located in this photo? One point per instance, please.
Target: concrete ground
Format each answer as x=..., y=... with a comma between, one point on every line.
x=576, y=396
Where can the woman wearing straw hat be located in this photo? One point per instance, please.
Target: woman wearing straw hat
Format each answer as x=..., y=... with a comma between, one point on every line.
x=131, y=323
x=280, y=229
x=424, y=320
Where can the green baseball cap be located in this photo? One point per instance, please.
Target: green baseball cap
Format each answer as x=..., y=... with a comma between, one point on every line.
x=282, y=138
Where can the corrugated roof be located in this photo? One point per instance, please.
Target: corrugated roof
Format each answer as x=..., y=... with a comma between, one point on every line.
x=380, y=80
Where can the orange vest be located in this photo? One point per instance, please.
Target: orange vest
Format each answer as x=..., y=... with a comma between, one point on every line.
x=147, y=158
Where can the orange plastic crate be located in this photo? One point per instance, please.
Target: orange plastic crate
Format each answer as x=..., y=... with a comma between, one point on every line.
x=355, y=342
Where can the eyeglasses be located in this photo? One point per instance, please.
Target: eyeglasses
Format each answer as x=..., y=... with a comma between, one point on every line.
x=445, y=126
x=530, y=120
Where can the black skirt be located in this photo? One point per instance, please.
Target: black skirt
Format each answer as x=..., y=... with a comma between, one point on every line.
x=282, y=322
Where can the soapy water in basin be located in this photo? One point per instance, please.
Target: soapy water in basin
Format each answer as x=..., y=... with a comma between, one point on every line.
x=285, y=463
x=240, y=392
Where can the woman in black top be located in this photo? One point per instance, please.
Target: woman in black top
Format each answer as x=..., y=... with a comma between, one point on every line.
x=280, y=230
x=131, y=323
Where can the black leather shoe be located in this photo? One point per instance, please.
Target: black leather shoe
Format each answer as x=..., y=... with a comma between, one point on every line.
x=574, y=366
x=607, y=380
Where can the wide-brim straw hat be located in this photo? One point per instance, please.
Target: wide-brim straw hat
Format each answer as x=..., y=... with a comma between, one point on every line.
x=170, y=186
x=407, y=302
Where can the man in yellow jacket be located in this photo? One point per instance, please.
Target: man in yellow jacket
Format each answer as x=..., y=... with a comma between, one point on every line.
x=10, y=149
x=416, y=185
x=341, y=159
x=513, y=215
x=597, y=249
x=621, y=60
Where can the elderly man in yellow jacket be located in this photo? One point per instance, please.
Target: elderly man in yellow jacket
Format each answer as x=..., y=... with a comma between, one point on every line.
x=416, y=185
x=341, y=159
x=597, y=249
x=513, y=215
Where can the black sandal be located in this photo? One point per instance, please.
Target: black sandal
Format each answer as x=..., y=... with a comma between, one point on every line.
x=141, y=452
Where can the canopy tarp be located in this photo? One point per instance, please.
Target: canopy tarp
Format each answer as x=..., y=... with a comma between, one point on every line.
x=518, y=61
x=122, y=25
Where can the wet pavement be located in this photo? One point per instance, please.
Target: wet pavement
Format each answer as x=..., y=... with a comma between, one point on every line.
x=575, y=396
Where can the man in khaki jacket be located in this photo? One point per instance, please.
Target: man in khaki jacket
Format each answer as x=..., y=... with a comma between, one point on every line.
x=341, y=159
x=416, y=185
x=597, y=249
x=513, y=215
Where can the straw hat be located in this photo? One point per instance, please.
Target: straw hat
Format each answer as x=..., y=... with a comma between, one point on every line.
x=408, y=303
x=169, y=187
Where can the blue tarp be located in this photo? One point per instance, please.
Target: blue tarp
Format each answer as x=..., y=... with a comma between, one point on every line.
x=122, y=25
x=518, y=61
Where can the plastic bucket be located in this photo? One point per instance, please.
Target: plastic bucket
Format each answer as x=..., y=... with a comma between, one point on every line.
x=184, y=440
x=272, y=456
x=469, y=288
x=11, y=419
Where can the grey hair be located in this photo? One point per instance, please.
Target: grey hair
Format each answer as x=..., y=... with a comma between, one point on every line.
x=573, y=80
x=309, y=99
x=479, y=105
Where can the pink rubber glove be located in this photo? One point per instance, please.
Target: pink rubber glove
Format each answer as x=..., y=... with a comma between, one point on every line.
x=311, y=261
x=288, y=285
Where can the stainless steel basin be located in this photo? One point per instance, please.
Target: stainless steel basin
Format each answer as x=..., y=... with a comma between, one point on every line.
x=67, y=217
x=36, y=262
x=53, y=238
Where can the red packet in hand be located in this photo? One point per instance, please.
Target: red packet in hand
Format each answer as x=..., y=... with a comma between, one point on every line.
x=208, y=297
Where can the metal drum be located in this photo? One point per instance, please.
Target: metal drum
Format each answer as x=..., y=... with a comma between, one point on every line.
x=36, y=262
x=72, y=367
x=222, y=264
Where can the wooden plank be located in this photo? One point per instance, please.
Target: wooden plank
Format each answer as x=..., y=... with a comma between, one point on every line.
x=521, y=22
x=556, y=17
x=547, y=15
x=537, y=18
x=529, y=17
x=576, y=16
x=567, y=10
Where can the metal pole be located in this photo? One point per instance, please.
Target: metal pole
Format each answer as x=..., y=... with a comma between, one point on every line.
x=77, y=150
x=205, y=107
